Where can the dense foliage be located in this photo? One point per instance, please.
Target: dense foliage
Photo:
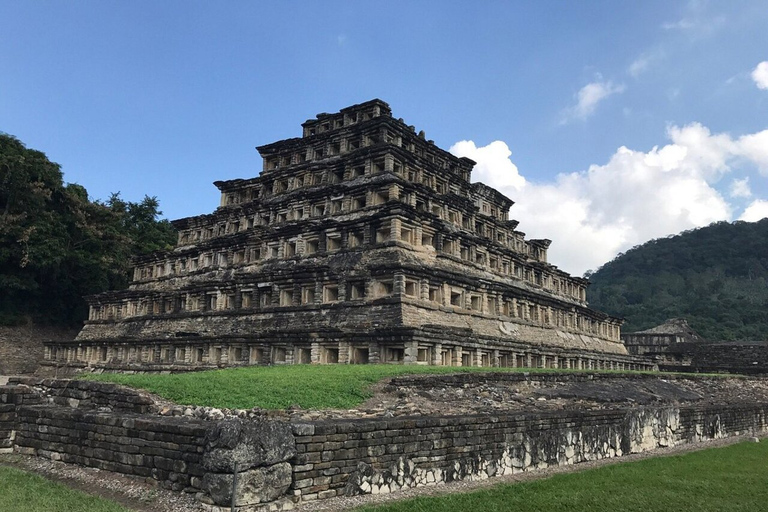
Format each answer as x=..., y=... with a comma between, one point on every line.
x=715, y=277
x=56, y=245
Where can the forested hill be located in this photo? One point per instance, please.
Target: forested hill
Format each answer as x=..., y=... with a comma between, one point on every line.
x=716, y=277
x=57, y=245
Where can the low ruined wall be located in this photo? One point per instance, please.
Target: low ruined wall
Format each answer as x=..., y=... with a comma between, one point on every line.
x=278, y=463
x=11, y=397
x=166, y=449
x=737, y=357
x=17, y=356
x=382, y=456
x=89, y=394
x=96, y=425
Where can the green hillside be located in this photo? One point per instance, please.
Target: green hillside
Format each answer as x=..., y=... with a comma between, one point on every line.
x=716, y=277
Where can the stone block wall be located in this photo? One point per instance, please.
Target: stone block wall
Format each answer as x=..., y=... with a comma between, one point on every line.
x=89, y=394
x=271, y=465
x=21, y=347
x=387, y=455
x=169, y=450
x=10, y=398
x=105, y=426
x=643, y=343
x=738, y=357
x=18, y=357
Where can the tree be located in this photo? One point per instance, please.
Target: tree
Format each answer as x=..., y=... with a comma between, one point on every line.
x=56, y=245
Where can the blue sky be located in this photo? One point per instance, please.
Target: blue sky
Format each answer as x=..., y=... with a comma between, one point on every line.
x=561, y=103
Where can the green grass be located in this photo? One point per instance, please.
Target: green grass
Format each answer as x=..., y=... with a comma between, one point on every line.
x=278, y=387
x=733, y=479
x=26, y=492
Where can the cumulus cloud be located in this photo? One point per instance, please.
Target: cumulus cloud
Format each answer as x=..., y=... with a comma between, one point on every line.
x=589, y=97
x=740, y=188
x=494, y=168
x=760, y=75
x=757, y=210
x=635, y=196
x=754, y=148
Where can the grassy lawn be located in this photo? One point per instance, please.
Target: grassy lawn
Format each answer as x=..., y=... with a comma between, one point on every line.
x=733, y=479
x=278, y=387
x=25, y=492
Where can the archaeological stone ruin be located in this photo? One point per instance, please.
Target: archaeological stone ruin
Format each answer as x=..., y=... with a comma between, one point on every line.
x=359, y=242
x=362, y=242
x=490, y=424
x=674, y=346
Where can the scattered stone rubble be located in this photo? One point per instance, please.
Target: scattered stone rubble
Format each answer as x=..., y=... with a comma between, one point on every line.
x=504, y=393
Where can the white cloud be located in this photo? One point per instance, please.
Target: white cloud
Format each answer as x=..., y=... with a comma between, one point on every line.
x=683, y=24
x=760, y=75
x=754, y=148
x=494, y=168
x=639, y=66
x=757, y=210
x=740, y=188
x=589, y=97
x=697, y=22
x=702, y=152
x=593, y=214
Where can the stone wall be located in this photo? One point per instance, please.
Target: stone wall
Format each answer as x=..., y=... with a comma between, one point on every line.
x=10, y=398
x=387, y=455
x=89, y=394
x=21, y=347
x=181, y=453
x=490, y=325
x=737, y=357
x=166, y=449
x=274, y=464
x=641, y=343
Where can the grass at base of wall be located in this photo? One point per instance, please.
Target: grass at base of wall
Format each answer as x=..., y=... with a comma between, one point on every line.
x=277, y=387
x=729, y=479
x=24, y=492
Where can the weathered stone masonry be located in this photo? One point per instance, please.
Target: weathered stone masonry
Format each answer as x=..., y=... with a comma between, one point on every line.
x=360, y=241
x=282, y=463
x=387, y=455
x=746, y=358
x=675, y=346
x=111, y=428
